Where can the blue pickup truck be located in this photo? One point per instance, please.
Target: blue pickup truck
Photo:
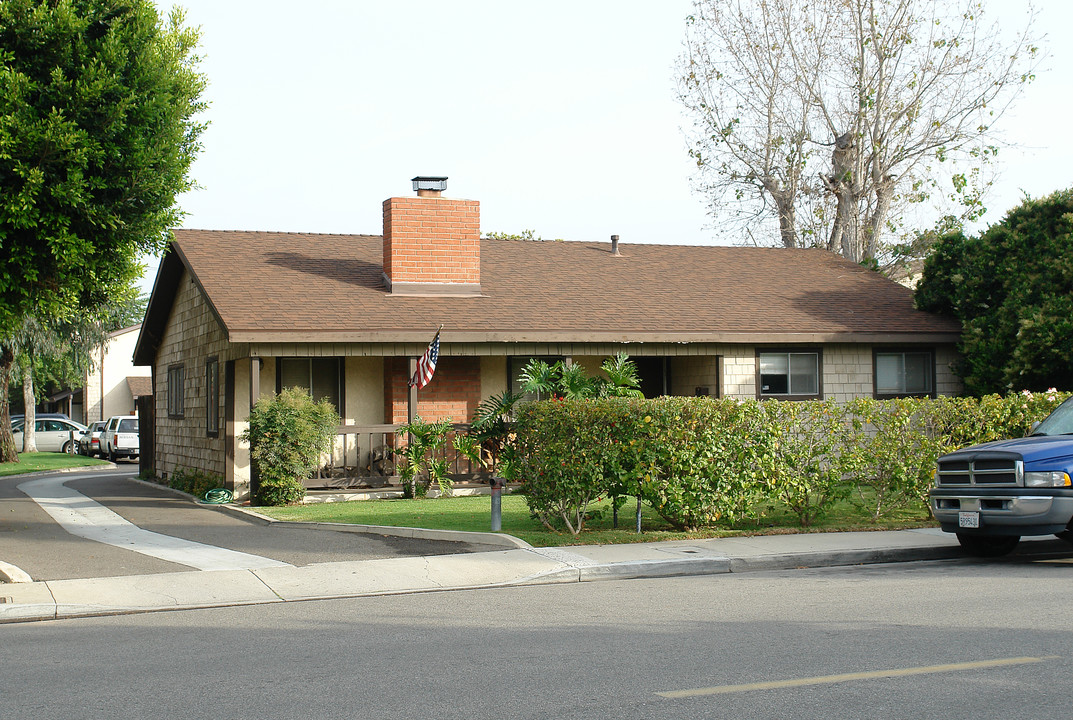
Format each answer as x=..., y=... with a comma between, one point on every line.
x=993, y=494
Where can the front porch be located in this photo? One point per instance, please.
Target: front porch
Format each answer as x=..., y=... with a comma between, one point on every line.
x=364, y=457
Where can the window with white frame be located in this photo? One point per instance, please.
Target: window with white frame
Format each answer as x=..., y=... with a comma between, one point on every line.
x=899, y=373
x=788, y=374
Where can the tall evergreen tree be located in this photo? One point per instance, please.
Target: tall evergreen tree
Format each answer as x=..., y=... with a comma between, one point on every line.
x=1012, y=289
x=98, y=128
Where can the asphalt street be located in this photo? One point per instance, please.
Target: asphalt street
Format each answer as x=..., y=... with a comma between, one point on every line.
x=35, y=542
x=939, y=639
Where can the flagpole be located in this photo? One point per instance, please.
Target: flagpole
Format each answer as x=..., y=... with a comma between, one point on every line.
x=411, y=402
x=411, y=399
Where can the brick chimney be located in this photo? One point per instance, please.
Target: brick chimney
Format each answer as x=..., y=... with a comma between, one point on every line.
x=432, y=244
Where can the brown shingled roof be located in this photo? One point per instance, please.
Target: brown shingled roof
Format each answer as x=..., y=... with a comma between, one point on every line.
x=304, y=287
x=140, y=386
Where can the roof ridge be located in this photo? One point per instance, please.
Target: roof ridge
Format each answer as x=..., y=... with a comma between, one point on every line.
x=276, y=232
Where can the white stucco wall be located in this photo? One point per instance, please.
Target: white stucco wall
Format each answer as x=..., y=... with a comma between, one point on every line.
x=115, y=364
x=364, y=387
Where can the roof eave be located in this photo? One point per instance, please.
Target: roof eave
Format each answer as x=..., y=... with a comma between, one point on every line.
x=258, y=336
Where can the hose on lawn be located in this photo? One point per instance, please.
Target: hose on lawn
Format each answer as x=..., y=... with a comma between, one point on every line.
x=218, y=496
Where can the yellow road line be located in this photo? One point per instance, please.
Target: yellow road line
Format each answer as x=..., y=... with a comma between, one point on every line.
x=849, y=677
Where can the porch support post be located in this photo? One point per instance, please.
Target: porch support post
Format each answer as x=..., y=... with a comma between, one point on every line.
x=255, y=380
x=255, y=394
x=411, y=401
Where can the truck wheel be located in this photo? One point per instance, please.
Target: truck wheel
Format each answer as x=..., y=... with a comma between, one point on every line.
x=988, y=546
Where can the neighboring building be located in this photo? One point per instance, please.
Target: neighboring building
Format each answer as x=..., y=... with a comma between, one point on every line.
x=236, y=315
x=112, y=387
x=115, y=383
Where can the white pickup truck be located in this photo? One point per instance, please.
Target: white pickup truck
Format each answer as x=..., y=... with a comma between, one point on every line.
x=120, y=437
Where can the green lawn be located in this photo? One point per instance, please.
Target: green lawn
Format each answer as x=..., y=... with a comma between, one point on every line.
x=42, y=461
x=474, y=514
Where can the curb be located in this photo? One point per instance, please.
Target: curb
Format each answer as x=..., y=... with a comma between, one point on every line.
x=577, y=571
x=11, y=574
x=839, y=558
x=62, y=471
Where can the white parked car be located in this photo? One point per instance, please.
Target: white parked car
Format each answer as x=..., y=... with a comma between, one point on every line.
x=52, y=434
x=120, y=437
x=90, y=442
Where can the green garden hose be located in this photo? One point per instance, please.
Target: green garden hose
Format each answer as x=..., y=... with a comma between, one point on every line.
x=218, y=496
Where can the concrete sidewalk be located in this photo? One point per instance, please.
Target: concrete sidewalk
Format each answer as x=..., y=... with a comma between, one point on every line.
x=518, y=564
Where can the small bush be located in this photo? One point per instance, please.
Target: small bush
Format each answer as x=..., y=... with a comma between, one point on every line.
x=288, y=435
x=194, y=482
x=561, y=461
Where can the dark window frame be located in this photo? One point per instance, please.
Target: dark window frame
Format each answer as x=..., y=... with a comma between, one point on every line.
x=176, y=398
x=340, y=377
x=212, y=396
x=783, y=350
x=877, y=351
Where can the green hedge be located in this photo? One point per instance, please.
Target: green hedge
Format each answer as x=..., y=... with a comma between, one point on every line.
x=702, y=461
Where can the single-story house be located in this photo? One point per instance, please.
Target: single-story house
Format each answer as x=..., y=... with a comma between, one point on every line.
x=237, y=315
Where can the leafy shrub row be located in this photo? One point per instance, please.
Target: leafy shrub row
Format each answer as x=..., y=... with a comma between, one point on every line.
x=194, y=482
x=700, y=461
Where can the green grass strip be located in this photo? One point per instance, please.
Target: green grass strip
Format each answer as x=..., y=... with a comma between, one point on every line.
x=44, y=461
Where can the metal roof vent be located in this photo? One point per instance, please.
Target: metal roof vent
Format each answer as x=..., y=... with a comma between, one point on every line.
x=429, y=186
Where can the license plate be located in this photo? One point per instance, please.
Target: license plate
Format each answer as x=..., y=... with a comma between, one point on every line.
x=969, y=519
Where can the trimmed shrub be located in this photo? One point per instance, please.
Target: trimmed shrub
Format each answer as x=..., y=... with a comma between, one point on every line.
x=288, y=435
x=806, y=460
x=562, y=455
x=892, y=452
x=699, y=459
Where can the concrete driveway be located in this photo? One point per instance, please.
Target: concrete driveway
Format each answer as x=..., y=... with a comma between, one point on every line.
x=108, y=524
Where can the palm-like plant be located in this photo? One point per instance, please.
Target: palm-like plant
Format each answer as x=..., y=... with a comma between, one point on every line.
x=622, y=380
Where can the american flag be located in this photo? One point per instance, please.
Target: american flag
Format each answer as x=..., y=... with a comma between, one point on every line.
x=426, y=366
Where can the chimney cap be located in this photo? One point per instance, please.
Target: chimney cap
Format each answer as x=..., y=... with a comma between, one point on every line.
x=437, y=183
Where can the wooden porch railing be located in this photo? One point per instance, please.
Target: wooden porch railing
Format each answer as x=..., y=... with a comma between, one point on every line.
x=363, y=457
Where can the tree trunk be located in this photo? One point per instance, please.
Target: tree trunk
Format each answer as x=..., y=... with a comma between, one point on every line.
x=29, y=404
x=884, y=190
x=844, y=183
x=851, y=226
x=7, y=442
x=784, y=205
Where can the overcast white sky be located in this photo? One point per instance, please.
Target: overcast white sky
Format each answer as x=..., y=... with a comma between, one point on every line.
x=557, y=116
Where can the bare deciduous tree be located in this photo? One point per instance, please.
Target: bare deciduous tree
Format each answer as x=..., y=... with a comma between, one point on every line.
x=831, y=117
